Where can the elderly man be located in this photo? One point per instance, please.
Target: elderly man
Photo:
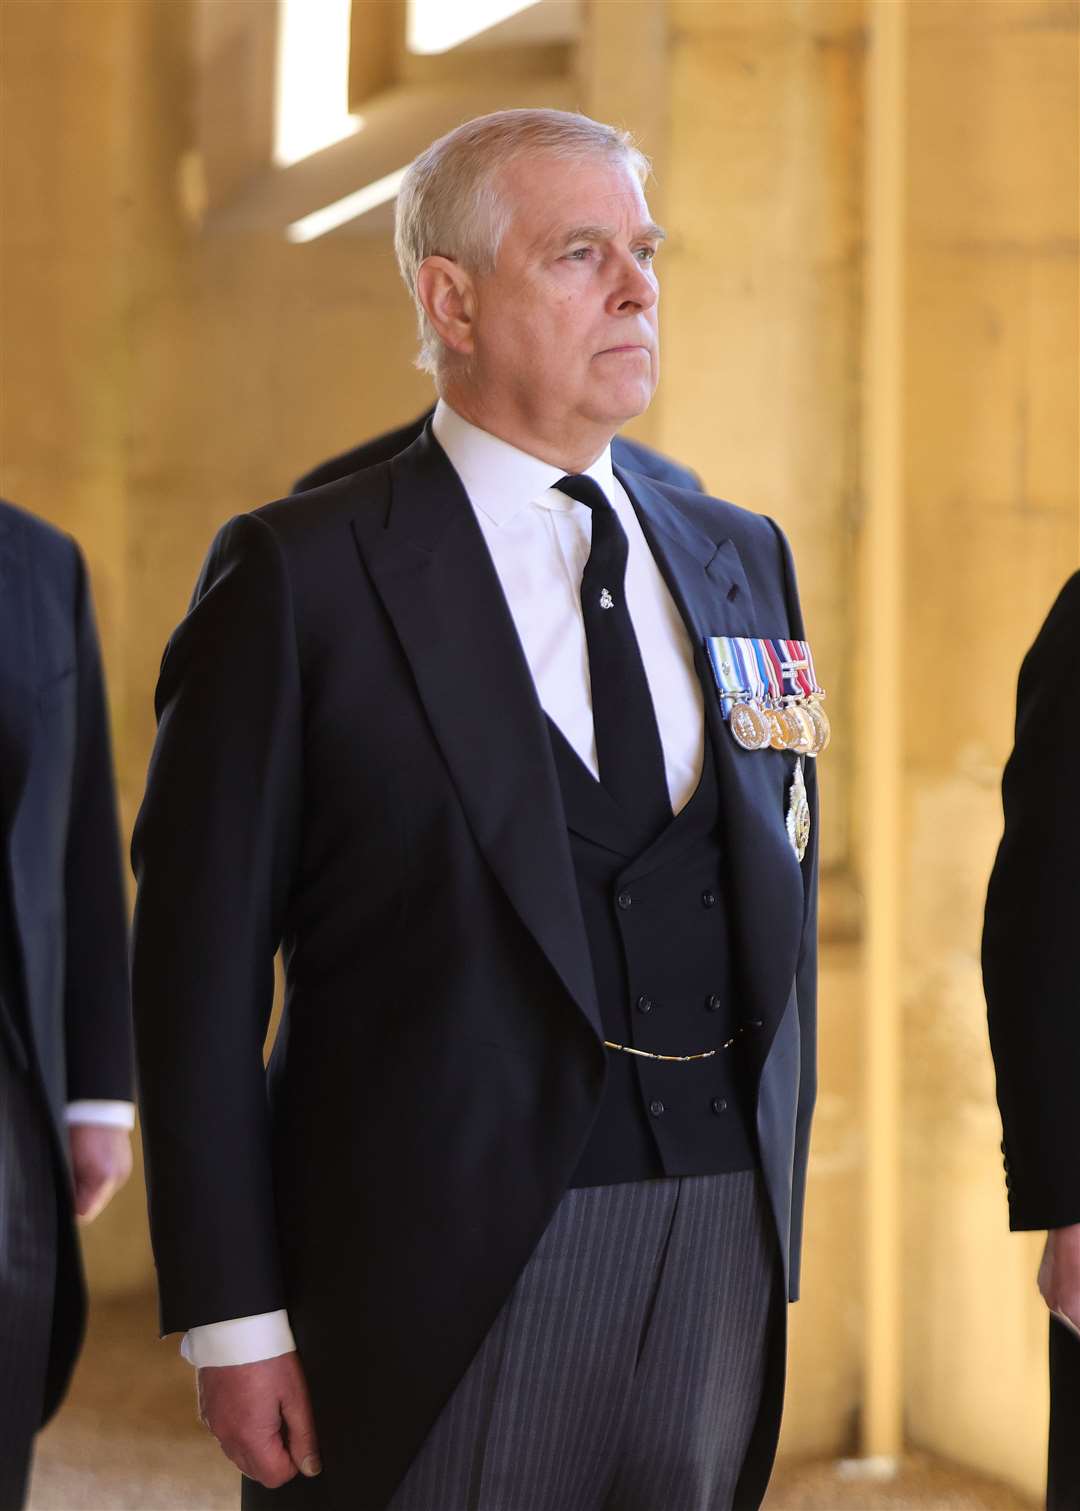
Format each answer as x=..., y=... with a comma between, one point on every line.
x=1032, y=979
x=65, y=1026
x=509, y=1219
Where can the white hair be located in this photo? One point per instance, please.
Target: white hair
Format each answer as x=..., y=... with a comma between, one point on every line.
x=450, y=203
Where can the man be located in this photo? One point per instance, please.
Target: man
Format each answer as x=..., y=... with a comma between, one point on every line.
x=65, y=1053
x=508, y=1222
x=624, y=453
x=1032, y=979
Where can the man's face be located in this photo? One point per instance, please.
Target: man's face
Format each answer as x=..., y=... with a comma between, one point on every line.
x=565, y=326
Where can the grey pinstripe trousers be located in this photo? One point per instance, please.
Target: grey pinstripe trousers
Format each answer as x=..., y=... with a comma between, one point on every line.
x=625, y=1371
x=27, y=1275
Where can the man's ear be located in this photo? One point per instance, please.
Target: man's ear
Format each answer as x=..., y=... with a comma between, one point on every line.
x=446, y=291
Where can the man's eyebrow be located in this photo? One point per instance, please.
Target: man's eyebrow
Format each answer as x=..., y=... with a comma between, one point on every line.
x=647, y=232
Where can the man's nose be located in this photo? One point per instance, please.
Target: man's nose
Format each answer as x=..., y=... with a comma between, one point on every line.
x=636, y=285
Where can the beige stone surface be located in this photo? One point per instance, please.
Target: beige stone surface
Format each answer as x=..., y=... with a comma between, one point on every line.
x=991, y=523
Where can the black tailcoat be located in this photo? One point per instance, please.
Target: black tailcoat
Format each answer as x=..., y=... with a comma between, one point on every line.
x=352, y=760
x=64, y=979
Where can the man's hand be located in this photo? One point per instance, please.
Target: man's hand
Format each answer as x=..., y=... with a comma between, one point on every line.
x=261, y=1415
x=1059, y=1272
x=100, y=1164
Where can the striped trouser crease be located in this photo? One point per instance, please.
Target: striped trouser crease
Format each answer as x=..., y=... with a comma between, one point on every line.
x=625, y=1371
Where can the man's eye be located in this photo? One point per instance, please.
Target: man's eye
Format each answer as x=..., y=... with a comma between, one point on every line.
x=579, y=254
x=646, y=253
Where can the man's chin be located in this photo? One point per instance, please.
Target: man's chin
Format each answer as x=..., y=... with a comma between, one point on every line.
x=617, y=408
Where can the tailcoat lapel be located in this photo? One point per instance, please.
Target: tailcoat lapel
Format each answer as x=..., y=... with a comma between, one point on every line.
x=432, y=570
x=710, y=589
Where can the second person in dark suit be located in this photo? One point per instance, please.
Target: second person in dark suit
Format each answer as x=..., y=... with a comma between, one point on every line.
x=632, y=455
x=65, y=1032
x=1031, y=972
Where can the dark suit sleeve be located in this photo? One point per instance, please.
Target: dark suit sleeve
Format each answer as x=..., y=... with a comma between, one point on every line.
x=214, y=853
x=96, y=997
x=806, y=969
x=1031, y=969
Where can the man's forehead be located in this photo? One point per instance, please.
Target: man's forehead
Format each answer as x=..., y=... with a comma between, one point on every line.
x=551, y=196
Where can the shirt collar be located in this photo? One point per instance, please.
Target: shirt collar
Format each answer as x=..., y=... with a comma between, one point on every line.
x=501, y=480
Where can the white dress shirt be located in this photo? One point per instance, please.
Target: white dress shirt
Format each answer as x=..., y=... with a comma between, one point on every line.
x=539, y=540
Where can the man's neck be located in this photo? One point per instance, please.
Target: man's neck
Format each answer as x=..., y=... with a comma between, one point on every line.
x=572, y=445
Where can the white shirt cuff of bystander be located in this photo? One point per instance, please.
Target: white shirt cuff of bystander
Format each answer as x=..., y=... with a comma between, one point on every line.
x=105, y=1114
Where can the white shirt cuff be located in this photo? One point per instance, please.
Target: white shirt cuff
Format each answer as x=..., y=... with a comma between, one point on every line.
x=240, y=1340
x=107, y=1114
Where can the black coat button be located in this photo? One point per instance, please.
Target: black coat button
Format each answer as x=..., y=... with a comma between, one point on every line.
x=644, y=1004
x=656, y=1108
x=719, y=1105
x=708, y=899
x=624, y=899
x=714, y=1003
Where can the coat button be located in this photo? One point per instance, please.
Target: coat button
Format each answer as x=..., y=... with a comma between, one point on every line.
x=656, y=1108
x=719, y=1105
x=714, y=1003
x=624, y=899
x=644, y=1004
x=708, y=899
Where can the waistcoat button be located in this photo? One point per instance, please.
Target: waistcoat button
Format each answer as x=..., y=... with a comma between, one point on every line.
x=708, y=899
x=644, y=1004
x=656, y=1108
x=624, y=899
x=719, y=1105
x=714, y=1003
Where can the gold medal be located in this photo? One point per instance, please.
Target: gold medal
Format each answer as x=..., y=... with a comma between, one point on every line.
x=822, y=727
x=748, y=726
x=782, y=735
x=798, y=814
x=800, y=719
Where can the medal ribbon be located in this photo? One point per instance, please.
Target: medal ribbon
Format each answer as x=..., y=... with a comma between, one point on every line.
x=750, y=668
x=771, y=661
x=791, y=652
x=720, y=650
x=815, y=685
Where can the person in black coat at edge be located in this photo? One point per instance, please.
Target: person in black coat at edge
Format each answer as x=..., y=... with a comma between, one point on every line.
x=65, y=1029
x=510, y=1219
x=625, y=453
x=1031, y=974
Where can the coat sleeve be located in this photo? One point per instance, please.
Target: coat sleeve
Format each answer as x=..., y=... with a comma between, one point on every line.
x=214, y=853
x=97, y=1010
x=806, y=968
x=1031, y=971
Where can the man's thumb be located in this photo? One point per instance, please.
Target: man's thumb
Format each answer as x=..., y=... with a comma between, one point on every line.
x=300, y=1436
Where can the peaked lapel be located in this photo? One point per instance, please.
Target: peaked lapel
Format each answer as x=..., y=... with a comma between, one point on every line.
x=431, y=567
x=710, y=588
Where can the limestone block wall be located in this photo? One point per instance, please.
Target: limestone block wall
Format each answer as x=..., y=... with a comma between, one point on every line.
x=992, y=532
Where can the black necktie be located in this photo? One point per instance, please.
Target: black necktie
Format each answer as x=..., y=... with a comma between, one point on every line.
x=628, y=748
